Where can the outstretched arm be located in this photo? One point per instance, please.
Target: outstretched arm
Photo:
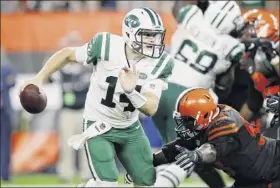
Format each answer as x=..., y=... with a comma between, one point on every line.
x=86, y=54
x=207, y=153
x=56, y=62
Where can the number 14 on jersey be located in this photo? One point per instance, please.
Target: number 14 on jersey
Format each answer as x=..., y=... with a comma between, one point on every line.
x=108, y=100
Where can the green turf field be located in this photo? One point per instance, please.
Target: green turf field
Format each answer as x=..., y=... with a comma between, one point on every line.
x=53, y=180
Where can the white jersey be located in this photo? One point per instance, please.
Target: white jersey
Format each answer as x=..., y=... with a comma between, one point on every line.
x=200, y=53
x=106, y=100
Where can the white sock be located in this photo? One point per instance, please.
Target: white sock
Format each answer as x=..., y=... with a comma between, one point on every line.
x=172, y=176
x=91, y=183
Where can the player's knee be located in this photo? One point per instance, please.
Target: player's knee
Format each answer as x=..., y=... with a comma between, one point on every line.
x=100, y=151
x=146, y=178
x=147, y=175
x=105, y=171
x=171, y=176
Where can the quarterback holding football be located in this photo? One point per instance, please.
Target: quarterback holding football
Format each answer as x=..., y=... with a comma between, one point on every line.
x=129, y=74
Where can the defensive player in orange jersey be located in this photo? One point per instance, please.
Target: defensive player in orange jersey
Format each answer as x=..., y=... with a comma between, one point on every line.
x=211, y=133
x=265, y=25
x=264, y=63
x=263, y=67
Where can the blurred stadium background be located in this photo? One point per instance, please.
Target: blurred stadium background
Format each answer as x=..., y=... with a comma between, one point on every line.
x=30, y=32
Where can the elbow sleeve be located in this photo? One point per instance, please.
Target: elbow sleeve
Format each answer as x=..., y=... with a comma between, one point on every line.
x=159, y=158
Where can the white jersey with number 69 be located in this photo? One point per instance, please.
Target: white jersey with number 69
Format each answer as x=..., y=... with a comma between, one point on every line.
x=200, y=53
x=106, y=100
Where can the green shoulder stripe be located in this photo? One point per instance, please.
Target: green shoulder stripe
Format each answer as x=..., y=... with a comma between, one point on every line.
x=94, y=49
x=167, y=70
x=182, y=13
x=186, y=14
x=160, y=62
x=107, y=47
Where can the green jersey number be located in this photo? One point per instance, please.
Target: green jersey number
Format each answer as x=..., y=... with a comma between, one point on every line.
x=108, y=101
x=205, y=60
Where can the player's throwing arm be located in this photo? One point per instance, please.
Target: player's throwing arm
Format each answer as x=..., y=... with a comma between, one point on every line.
x=56, y=62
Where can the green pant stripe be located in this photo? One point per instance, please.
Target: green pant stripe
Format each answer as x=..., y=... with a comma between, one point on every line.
x=93, y=173
x=89, y=162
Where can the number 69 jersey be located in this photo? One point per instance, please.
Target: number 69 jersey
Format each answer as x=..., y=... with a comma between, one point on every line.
x=106, y=100
x=200, y=52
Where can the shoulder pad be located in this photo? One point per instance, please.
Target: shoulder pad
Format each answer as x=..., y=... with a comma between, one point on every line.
x=221, y=126
x=99, y=47
x=187, y=13
x=164, y=65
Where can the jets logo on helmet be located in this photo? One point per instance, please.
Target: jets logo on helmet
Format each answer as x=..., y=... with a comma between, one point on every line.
x=132, y=21
x=143, y=31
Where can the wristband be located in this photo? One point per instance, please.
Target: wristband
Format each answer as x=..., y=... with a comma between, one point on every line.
x=136, y=99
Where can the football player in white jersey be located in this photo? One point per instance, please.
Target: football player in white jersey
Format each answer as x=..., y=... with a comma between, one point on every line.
x=129, y=75
x=202, y=48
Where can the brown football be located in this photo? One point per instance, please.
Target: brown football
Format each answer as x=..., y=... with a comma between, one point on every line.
x=33, y=99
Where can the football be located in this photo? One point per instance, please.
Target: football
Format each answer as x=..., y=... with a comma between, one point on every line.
x=33, y=99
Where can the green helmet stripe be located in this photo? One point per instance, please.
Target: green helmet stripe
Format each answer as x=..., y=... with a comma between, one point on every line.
x=151, y=15
x=158, y=20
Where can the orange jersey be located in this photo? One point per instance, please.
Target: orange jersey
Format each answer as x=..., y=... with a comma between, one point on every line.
x=229, y=122
x=264, y=85
x=253, y=157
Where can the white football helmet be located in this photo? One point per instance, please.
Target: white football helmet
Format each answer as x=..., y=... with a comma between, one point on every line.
x=225, y=16
x=143, y=31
